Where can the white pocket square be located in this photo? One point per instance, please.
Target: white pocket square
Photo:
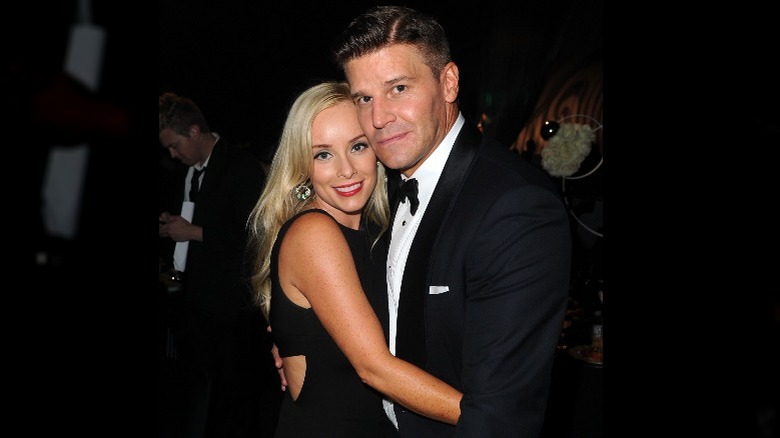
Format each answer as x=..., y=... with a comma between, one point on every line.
x=434, y=290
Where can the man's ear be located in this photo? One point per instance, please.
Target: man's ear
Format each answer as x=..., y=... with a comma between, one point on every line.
x=194, y=131
x=450, y=81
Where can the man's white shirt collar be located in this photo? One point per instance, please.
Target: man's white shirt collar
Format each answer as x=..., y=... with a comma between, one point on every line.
x=428, y=173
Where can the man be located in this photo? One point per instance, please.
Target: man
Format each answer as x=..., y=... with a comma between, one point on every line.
x=221, y=335
x=479, y=258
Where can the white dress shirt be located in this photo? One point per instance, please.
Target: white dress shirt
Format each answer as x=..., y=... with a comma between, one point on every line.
x=405, y=227
x=187, y=211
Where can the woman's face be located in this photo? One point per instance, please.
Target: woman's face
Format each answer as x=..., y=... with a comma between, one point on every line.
x=345, y=168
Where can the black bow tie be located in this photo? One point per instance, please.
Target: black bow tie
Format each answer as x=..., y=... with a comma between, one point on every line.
x=409, y=190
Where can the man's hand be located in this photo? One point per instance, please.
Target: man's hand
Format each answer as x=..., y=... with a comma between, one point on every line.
x=177, y=228
x=279, y=363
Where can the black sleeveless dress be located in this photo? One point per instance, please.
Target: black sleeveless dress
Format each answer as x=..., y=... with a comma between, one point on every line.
x=333, y=401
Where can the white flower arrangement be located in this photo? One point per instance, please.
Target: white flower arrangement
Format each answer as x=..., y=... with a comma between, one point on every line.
x=567, y=149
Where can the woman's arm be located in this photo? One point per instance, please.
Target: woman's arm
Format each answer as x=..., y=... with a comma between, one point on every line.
x=315, y=260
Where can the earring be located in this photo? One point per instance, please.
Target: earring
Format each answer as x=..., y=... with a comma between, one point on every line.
x=302, y=192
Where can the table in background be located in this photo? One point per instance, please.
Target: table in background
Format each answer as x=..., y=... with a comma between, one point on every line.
x=576, y=405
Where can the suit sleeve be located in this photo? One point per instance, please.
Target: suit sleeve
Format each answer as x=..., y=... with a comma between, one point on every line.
x=518, y=269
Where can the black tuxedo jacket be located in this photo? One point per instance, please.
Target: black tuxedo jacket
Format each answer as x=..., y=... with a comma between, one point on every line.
x=485, y=289
x=216, y=276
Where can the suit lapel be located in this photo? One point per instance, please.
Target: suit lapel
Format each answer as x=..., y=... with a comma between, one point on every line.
x=411, y=309
x=216, y=166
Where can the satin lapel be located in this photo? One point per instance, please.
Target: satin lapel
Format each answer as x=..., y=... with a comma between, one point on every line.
x=411, y=309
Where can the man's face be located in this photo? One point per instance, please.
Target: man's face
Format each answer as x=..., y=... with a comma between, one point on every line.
x=402, y=107
x=180, y=147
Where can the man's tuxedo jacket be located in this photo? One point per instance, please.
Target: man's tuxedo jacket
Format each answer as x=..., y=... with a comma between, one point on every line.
x=485, y=289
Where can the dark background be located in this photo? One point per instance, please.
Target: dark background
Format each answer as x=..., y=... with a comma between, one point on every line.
x=243, y=62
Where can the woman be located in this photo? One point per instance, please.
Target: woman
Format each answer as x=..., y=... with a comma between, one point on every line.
x=317, y=229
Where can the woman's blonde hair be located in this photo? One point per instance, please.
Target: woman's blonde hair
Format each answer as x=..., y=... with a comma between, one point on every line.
x=291, y=168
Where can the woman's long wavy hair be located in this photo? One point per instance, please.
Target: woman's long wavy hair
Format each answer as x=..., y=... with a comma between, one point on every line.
x=292, y=167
